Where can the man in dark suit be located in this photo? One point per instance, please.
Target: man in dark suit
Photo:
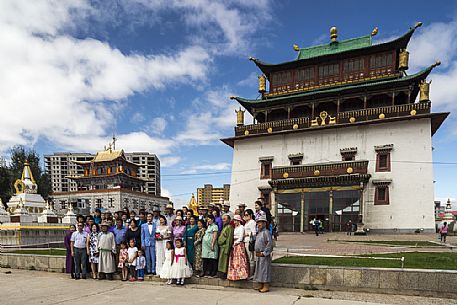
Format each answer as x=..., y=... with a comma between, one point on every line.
x=148, y=243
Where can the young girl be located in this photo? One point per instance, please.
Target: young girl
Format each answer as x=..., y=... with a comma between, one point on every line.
x=180, y=268
x=133, y=253
x=165, y=272
x=140, y=265
x=123, y=256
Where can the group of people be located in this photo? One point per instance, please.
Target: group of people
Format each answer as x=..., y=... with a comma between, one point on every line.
x=176, y=245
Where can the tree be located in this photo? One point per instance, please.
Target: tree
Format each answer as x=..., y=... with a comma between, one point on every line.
x=6, y=186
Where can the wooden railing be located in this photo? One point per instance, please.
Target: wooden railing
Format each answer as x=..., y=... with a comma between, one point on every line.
x=348, y=117
x=321, y=169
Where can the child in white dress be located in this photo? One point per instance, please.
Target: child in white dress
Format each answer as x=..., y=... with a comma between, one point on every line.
x=180, y=268
x=165, y=271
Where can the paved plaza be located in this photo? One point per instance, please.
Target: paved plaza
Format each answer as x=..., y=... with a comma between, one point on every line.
x=34, y=287
x=336, y=243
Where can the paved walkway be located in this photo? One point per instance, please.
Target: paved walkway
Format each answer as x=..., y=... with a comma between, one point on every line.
x=34, y=287
x=336, y=243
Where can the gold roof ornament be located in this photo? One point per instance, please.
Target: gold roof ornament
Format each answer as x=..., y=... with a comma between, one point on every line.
x=262, y=84
x=403, y=59
x=296, y=47
x=193, y=205
x=424, y=91
x=375, y=31
x=333, y=33
x=239, y=117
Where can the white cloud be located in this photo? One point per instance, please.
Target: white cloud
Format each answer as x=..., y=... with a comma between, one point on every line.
x=157, y=125
x=67, y=90
x=251, y=81
x=169, y=161
x=222, y=166
x=137, y=118
x=218, y=118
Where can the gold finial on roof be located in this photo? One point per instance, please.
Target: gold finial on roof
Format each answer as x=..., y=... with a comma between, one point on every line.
x=418, y=24
x=296, y=47
x=375, y=31
x=437, y=63
x=333, y=33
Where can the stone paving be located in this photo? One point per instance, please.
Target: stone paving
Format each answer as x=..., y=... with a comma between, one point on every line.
x=335, y=243
x=34, y=287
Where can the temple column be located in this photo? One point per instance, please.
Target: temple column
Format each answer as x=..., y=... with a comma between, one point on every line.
x=288, y=113
x=274, y=206
x=330, y=214
x=302, y=212
x=312, y=111
x=266, y=116
x=393, y=98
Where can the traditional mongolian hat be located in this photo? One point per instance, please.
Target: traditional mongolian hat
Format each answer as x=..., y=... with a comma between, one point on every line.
x=202, y=207
x=104, y=223
x=226, y=204
x=242, y=205
x=178, y=218
x=169, y=207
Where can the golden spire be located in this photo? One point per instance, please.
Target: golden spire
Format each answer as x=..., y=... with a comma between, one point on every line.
x=375, y=31
x=333, y=33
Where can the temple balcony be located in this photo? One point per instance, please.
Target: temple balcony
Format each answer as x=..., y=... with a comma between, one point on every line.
x=320, y=169
x=329, y=174
x=324, y=119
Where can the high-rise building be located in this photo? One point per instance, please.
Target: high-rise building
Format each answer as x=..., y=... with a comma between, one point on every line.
x=149, y=170
x=209, y=194
x=340, y=133
x=61, y=165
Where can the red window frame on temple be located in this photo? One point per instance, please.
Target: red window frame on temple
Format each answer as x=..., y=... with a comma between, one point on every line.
x=383, y=167
x=381, y=197
x=266, y=173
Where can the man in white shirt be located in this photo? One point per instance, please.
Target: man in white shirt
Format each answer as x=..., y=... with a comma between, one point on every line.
x=79, y=251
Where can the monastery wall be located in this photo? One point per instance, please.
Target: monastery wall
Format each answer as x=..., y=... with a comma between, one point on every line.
x=411, y=191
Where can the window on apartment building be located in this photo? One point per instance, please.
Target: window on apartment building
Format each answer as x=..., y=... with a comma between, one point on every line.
x=98, y=203
x=265, y=169
x=381, y=195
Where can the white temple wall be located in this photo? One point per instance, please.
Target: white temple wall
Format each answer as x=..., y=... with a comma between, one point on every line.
x=411, y=191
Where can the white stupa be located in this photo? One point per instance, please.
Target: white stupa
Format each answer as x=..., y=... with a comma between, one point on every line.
x=27, y=195
x=70, y=216
x=48, y=215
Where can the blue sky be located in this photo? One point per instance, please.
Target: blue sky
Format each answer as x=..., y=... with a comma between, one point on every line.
x=158, y=74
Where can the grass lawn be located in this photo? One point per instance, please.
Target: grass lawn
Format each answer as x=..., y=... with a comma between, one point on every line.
x=408, y=243
x=41, y=252
x=415, y=260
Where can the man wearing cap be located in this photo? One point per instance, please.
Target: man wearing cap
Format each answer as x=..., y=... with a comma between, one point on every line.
x=156, y=215
x=106, y=247
x=227, y=211
x=225, y=242
x=169, y=216
x=242, y=208
x=78, y=250
x=148, y=243
x=202, y=212
x=263, y=248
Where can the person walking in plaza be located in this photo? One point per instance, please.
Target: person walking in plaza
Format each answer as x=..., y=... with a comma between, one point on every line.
x=107, y=249
x=92, y=252
x=225, y=242
x=180, y=269
x=263, y=250
x=69, y=261
x=198, y=261
x=189, y=236
x=163, y=234
x=148, y=244
x=238, y=268
x=179, y=229
x=443, y=232
x=79, y=251
x=349, y=227
x=209, y=248
x=249, y=238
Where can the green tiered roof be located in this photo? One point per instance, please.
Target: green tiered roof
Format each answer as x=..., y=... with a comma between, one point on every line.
x=250, y=103
x=335, y=47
